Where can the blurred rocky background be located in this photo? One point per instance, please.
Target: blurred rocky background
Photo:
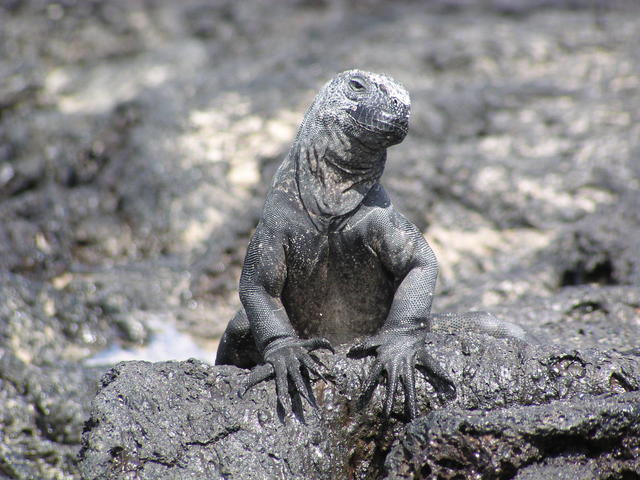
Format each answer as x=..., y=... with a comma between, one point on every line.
x=138, y=139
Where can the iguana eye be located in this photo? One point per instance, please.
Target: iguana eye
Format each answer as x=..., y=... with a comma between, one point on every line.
x=356, y=85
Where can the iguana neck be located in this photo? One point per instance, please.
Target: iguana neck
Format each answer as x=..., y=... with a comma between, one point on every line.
x=334, y=173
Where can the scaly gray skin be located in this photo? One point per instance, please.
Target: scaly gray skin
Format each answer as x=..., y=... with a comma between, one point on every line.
x=331, y=259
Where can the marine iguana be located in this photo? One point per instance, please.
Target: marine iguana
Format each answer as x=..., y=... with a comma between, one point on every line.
x=332, y=260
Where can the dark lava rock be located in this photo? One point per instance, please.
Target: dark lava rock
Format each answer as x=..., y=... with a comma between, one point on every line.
x=184, y=419
x=42, y=410
x=604, y=317
x=603, y=247
x=137, y=140
x=587, y=438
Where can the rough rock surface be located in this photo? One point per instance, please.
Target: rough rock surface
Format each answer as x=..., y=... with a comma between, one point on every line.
x=137, y=140
x=184, y=419
x=593, y=437
x=42, y=412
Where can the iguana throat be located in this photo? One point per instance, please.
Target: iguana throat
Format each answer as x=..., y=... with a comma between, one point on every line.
x=340, y=149
x=333, y=178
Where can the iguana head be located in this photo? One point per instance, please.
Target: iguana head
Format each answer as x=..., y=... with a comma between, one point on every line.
x=340, y=151
x=370, y=108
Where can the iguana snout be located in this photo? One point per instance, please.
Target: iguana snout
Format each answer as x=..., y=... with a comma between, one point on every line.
x=378, y=105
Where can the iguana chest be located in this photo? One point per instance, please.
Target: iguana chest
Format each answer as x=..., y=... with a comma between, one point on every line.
x=336, y=286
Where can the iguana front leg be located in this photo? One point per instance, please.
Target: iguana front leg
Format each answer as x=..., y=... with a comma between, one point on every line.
x=399, y=346
x=286, y=356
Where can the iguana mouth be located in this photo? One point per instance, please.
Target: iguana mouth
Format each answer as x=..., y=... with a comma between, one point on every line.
x=381, y=121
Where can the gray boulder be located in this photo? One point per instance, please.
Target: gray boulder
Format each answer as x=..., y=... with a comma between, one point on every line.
x=586, y=438
x=175, y=420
